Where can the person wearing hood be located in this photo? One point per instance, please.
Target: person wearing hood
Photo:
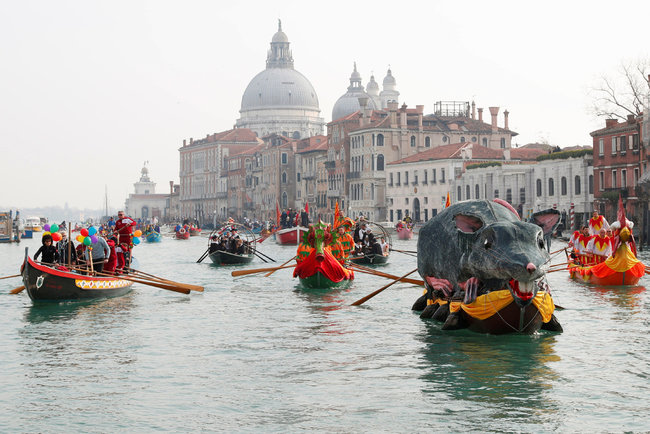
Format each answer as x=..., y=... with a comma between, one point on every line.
x=49, y=253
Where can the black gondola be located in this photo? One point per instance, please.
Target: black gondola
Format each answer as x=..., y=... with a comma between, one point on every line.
x=225, y=255
x=47, y=283
x=368, y=255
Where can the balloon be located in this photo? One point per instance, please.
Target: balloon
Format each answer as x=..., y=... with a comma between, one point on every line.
x=137, y=233
x=46, y=228
x=92, y=230
x=54, y=228
x=46, y=233
x=87, y=241
x=177, y=228
x=84, y=232
x=56, y=236
x=80, y=238
x=136, y=241
x=93, y=239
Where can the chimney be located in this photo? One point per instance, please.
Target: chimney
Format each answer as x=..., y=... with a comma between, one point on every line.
x=363, y=103
x=494, y=111
x=610, y=122
x=191, y=140
x=392, y=110
x=402, y=116
x=480, y=114
x=473, y=110
x=184, y=142
x=171, y=187
x=505, y=119
x=631, y=119
x=420, y=110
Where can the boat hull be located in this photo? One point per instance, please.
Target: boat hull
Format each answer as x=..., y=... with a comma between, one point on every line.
x=319, y=281
x=404, y=234
x=615, y=279
x=153, y=237
x=509, y=320
x=182, y=235
x=47, y=284
x=195, y=232
x=373, y=259
x=226, y=258
x=290, y=236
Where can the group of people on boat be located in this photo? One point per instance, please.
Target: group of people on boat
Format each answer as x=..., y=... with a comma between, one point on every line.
x=109, y=254
x=365, y=241
x=228, y=240
x=594, y=243
x=405, y=223
x=290, y=218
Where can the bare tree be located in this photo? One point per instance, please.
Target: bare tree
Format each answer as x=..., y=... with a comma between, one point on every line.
x=624, y=94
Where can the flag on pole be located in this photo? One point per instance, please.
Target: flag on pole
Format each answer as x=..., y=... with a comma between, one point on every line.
x=448, y=201
x=277, y=214
x=337, y=212
x=307, y=207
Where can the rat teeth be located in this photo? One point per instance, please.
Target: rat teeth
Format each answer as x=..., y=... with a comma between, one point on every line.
x=526, y=287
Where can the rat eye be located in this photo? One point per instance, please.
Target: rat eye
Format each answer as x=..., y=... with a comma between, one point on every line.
x=487, y=244
x=540, y=242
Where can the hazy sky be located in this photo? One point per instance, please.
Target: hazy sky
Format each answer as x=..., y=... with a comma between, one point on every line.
x=89, y=90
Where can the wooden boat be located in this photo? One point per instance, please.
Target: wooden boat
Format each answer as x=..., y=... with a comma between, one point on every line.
x=497, y=313
x=621, y=269
x=182, y=234
x=221, y=257
x=153, y=237
x=45, y=283
x=194, y=232
x=225, y=257
x=320, y=269
x=404, y=231
x=366, y=257
x=369, y=259
x=9, y=232
x=290, y=236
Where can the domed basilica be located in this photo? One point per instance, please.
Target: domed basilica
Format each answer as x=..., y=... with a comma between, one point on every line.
x=280, y=99
x=348, y=103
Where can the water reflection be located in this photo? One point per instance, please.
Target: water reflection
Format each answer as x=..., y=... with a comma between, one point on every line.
x=322, y=302
x=628, y=298
x=507, y=376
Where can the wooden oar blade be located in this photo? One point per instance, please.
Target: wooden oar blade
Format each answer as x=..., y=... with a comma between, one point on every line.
x=17, y=290
x=9, y=277
x=237, y=273
x=369, y=296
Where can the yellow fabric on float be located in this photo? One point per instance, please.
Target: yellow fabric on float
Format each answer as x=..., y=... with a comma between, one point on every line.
x=623, y=260
x=489, y=304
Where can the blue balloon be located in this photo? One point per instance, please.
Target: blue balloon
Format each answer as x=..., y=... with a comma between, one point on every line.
x=136, y=241
x=92, y=230
x=177, y=228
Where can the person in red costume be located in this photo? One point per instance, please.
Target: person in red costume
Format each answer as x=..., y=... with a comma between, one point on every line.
x=596, y=223
x=123, y=228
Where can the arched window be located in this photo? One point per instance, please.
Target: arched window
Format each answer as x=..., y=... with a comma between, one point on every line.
x=380, y=140
x=285, y=200
x=563, y=187
x=412, y=141
x=296, y=134
x=284, y=177
x=477, y=192
x=577, y=186
x=380, y=162
x=458, y=193
x=484, y=141
x=591, y=184
x=551, y=187
x=467, y=191
x=462, y=139
x=539, y=187
x=427, y=142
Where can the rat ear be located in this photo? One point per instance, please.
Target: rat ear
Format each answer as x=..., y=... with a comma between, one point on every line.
x=548, y=220
x=468, y=223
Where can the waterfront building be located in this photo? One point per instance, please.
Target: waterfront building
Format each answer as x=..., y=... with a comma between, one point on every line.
x=144, y=203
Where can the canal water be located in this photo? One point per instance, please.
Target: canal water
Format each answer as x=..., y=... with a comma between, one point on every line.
x=260, y=354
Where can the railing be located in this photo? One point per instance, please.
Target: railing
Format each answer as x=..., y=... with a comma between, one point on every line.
x=354, y=175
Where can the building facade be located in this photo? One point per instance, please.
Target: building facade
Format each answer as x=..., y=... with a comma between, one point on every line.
x=144, y=203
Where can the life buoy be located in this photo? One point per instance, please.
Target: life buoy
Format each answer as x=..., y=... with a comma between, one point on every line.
x=181, y=231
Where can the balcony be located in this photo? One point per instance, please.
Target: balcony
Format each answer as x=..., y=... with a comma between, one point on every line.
x=330, y=164
x=221, y=195
x=354, y=175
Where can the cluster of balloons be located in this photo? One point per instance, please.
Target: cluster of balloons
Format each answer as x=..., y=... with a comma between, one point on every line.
x=52, y=230
x=88, y=236
x=136, y=237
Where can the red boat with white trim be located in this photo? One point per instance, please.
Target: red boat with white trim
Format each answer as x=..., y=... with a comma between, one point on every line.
x=290, y=236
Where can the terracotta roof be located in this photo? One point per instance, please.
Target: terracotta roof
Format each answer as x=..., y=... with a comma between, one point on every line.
x=526, y=153
x=240, y=135
x=315, y=143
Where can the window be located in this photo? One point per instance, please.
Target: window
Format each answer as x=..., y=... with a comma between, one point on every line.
x=380, y=140
x=426, y=177
x=503, y=142
x=284, y=177
x=622, y=144
x=577, y=185
x=426, y=215
x=474, y=139
x=433, y=176
x=636, y=177
x=477, y=192
x=459, y=192
x=484, y=141
x=412, y=141
x=496, y=194
x=591, y=184
x=406, y=177
x=415, y=177
x=284, y=158
x=551, y=187
x=399, y=174
x=614, y=145
x=444, y=139
x=635, y=142
x=539, y=187
x=390, y=179
x=509, y=195
x=427, y=143
x=380, y=162
x=601, y=147
x=613, y=178
x=298, y=176
x=623, y=178
x=399, y=214
x=563, y=186
x=522, y=195
x=467, y=191
x=601, y=181
x=434, y=212
x=442, y=176
x=462, y=139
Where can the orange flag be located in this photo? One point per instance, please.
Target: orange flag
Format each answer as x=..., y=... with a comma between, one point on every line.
x=448, y=201
x=277, y=214
x=337, y=212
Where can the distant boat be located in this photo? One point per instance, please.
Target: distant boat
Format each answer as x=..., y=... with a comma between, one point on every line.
x=9, y=232
x=290, y=236
x=33, y=224
x=153, y=237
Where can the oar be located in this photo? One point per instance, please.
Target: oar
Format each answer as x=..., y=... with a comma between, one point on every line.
x=557, y=251
x=17, y=290
x=273, y=271
x=259, y=256
x=258, y=270
x=203, y=256
x=158, y=284
x=266, y=256
x=389, y=276
x=8, y=277
x=171, y=282
x=404, y=251
x=369, y=296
